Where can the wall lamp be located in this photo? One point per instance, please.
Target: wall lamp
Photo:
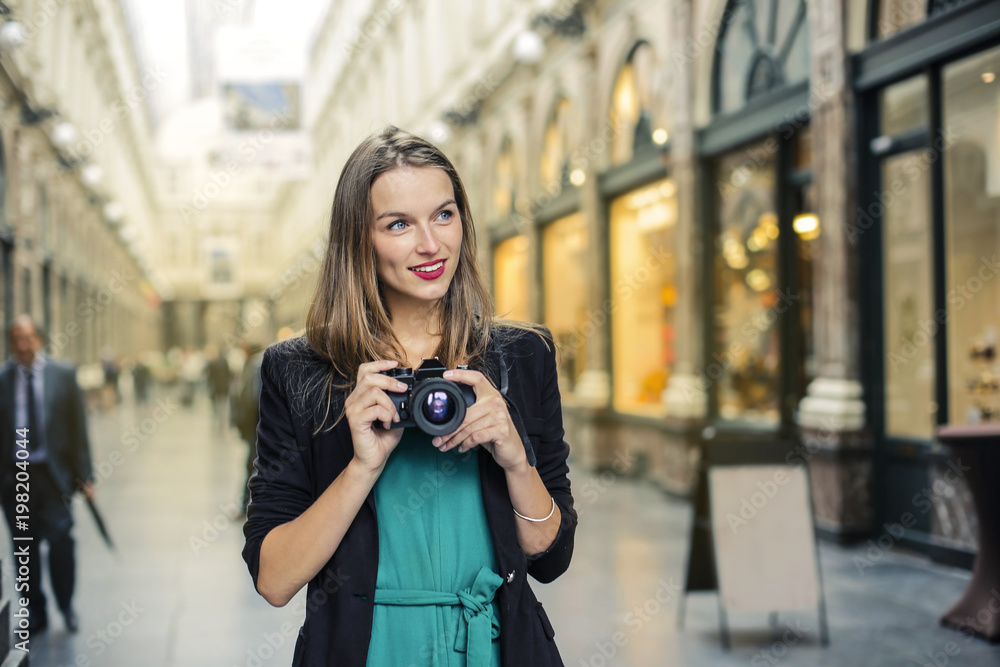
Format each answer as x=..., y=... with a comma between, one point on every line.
x=33, y=116
x=12, y=34
x=566, y=23
x=463, y=117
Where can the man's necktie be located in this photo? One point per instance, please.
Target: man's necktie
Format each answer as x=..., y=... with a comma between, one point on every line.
x=33, y=430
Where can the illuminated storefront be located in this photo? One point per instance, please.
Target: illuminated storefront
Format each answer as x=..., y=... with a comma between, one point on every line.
x=927, y=226
x=773, y=243
x=761, y=225
x=510, y=276
x=565, y=283
x=644, y=291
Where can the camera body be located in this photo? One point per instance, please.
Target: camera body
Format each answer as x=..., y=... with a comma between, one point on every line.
x=434, y=405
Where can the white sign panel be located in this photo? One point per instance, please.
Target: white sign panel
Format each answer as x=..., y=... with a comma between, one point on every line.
x=765, y=549
x=260, y=79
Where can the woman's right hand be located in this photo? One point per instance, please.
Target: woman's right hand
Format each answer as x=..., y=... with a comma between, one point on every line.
x=369, y=403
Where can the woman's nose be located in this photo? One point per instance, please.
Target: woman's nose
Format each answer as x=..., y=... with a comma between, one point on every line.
x=427, y=242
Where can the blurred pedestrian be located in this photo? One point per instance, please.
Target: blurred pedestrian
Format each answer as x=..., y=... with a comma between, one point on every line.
x=44, y=461
x=219, y=380
x=411, y=544
x=111, y=391
x=142, y=379
x=191, y=371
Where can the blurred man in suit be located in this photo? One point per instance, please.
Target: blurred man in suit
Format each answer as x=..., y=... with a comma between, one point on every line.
x=42, y=397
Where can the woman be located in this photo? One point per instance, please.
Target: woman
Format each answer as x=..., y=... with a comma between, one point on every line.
x=414, y=549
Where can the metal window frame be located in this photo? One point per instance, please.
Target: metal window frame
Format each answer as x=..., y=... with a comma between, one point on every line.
x=926, y=48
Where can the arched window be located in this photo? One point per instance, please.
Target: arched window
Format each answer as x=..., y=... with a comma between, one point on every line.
x=555, y=167
x=764, y=46
x=889, y=17
x=638, y=105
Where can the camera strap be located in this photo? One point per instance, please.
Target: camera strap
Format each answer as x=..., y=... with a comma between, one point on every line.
x=515, y=415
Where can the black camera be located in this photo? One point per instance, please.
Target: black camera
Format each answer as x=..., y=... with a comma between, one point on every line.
x=434, y=405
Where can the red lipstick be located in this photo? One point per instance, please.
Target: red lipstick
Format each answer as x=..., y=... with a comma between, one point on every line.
x=421, y=269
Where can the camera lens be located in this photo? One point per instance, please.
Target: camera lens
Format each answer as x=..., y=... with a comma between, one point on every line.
x=439, y=407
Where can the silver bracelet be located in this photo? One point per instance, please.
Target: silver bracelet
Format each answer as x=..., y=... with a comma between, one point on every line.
x=528, y=518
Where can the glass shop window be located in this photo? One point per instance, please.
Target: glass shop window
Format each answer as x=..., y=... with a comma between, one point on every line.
x=565, y=281
x=744, y=364
x=510, y=278
x=971, y=99
x=643, y=294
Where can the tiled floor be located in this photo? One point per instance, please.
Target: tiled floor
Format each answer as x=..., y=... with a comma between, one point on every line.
x=176, y=592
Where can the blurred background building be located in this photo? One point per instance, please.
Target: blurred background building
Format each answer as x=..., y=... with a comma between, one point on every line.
x=748, y=223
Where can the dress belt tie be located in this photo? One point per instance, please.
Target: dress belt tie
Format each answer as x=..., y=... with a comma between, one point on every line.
x=478, y=625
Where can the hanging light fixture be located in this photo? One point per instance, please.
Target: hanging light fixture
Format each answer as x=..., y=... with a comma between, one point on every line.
x=114, y=212
x=63, y=134
x=92, y=174
x=439, y=132
x=12, y=36
x=528, y=47
x=12, y=33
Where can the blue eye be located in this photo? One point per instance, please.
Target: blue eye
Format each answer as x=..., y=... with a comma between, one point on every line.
x=392, y=225
x=447, y=213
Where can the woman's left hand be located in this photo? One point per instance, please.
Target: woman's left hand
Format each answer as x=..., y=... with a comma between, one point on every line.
x=487, y=423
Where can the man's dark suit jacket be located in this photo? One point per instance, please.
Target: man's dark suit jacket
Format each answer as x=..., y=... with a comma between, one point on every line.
x=294, y=467
x=65, y=427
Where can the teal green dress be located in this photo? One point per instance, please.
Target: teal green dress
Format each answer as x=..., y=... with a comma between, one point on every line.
x=437, y=569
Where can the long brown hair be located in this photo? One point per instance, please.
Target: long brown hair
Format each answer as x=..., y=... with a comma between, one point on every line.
x=348, y=321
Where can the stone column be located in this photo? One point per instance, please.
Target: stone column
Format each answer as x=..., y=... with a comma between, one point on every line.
x=832, y=414
x=684, y=396
x=594, y=386
x=530, y=158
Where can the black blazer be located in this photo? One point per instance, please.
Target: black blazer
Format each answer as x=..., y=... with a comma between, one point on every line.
x=294, y=467
x=65, y=427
